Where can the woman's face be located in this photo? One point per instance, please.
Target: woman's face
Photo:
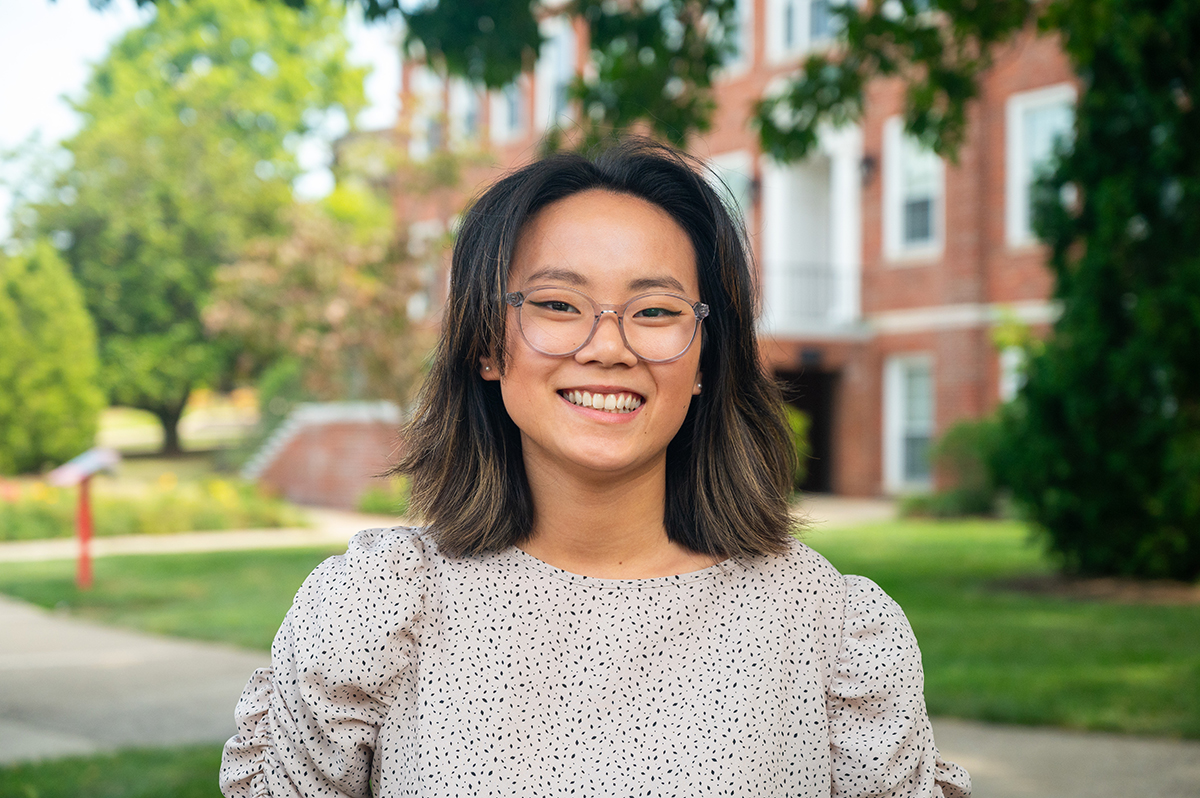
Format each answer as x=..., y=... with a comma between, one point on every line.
x=611, y=247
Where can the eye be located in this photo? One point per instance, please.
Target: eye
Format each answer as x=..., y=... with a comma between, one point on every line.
x=657, y=313
x=556, y=306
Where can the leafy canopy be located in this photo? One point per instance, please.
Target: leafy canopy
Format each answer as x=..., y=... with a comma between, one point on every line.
x=187, y=152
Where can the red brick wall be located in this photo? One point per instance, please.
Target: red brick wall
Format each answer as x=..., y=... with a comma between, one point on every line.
x=331, y=465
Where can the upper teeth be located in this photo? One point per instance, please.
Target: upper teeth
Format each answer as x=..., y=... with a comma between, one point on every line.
x=612, y=402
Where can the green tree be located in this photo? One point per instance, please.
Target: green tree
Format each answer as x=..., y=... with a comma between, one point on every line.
x=185, y=154
x=330, y=295
x=1103, y=445
x=326, y=301
x=49, y=400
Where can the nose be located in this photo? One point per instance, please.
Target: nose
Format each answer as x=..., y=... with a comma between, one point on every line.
x=607, y=346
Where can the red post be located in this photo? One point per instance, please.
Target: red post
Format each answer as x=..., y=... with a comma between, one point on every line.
x=83, y=525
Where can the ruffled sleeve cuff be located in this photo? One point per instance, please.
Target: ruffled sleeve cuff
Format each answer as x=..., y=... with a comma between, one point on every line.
x=881, y=742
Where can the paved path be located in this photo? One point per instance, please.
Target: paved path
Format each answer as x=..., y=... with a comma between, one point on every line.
x=69, y=687
x=330, y=528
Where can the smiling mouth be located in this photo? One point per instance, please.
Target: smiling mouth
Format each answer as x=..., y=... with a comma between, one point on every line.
x=608, y=402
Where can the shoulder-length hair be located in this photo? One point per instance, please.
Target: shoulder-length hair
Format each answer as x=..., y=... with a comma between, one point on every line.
x=729, y=468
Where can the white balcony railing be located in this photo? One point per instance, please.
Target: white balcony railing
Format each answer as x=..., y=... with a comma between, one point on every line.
x=802, y=298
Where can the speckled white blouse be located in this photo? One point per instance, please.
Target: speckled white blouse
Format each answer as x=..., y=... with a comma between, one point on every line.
x=501, y=675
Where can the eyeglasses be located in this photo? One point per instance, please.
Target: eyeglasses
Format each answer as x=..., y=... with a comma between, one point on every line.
x=658, y=328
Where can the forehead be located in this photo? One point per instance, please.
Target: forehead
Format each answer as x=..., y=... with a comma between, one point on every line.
x=606, y=243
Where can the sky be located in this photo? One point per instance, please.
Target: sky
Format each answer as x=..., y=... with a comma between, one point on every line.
x=48, y=46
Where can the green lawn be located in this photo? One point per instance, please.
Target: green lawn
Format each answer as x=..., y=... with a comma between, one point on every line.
x=989, y=654
x=142, y=773
x=235, y=597
x=998, y=655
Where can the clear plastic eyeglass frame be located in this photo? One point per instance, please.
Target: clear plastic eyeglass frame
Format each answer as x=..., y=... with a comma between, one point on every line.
x=517, y=298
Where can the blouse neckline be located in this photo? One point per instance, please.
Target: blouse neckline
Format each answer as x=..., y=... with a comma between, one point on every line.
x=527, y=560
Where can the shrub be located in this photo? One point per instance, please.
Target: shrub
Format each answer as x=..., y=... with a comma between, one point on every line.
x=49, y=398
x=389, y=499
x=965, y=454
x=39, y=511
x=799, y=423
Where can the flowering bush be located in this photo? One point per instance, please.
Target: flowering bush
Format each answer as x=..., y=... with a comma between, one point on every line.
x=36, y=510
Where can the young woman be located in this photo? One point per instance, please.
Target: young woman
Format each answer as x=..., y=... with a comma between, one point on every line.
x=607, y=600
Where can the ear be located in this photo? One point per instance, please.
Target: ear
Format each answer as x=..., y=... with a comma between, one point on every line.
x=487, y=369
x=699, y=382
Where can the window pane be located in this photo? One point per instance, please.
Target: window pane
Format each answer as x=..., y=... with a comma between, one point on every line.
x=918, y=420
x=820, y=26
x=916, y=458
x=918, y=221
x=512, y=96
x=918, y=398
x=562, y=59
x=919, y=168
x=1042, y=128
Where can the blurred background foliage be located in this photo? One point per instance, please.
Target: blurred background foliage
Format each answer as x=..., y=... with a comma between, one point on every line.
x=50, y=401
x=38, y=512
x=186, y=153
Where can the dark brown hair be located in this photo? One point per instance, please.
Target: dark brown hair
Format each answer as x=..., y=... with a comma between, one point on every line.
x=729, y=468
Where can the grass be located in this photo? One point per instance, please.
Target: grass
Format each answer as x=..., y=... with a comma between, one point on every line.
x=210, y=420
x=990, y=654
x=189, y=772
x=233, y=597
x=1004, y=656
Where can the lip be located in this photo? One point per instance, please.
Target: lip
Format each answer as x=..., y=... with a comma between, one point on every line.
x=602, y=389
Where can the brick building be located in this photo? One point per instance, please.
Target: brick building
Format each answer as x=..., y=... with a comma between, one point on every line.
x=883, y=269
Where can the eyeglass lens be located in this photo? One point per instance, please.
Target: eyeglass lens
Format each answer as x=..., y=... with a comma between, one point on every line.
x=558, y=321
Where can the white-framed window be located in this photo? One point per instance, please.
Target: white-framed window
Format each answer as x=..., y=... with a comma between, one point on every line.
x=555, y=71
x=739, y=60
x=914, y=189
x=466, y=110
x=422, y=238
x=908, y=422
x=508, y=112
x=1036, y=123
x=822, y=24
x=796, y=26
x=735, y=171
x=1012, y=372
x=427, y=114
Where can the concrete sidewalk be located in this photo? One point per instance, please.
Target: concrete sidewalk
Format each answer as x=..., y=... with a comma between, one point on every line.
x=329, y=528
x=70, y=687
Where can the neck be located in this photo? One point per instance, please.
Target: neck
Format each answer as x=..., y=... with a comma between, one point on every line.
x=605, y=526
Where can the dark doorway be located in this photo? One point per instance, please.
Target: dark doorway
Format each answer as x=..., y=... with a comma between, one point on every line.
x=811, y=391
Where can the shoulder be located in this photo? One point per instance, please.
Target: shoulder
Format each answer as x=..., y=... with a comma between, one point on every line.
x=379, y=583
x=800, y=569
x=376, y=556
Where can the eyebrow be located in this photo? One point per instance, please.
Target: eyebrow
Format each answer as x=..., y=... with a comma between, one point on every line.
x=575, y=278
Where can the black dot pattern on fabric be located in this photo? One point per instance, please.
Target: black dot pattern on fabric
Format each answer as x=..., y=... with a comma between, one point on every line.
x=400, y=672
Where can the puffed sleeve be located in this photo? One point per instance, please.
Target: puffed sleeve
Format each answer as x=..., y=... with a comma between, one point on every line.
x=881, y=743
x=307, y=725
